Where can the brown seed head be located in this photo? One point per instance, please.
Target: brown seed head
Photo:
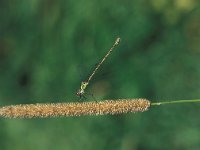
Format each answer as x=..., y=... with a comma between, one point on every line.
x=111, y=107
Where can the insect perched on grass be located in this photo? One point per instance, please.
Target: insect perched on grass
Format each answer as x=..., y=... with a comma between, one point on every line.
x=84, y=84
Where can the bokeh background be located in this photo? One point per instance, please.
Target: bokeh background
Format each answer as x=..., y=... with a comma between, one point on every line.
x=48, y=47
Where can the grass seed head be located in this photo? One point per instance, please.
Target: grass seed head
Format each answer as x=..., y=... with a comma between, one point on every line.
x=105, y=107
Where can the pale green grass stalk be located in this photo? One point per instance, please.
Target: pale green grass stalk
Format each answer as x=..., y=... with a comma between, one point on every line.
x=176, y=102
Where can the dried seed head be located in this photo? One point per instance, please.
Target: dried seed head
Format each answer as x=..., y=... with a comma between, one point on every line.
x=75, y=109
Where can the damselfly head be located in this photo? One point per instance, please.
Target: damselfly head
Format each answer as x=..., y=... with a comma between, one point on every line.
x=80, y=93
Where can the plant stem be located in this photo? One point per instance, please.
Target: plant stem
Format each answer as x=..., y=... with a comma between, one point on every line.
x=175, y=102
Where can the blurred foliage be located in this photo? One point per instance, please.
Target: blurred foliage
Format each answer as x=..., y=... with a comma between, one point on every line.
x=44, y=43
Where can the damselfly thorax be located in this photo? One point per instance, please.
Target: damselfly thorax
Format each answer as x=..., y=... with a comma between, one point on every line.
x=81, y=91
x=84, y=84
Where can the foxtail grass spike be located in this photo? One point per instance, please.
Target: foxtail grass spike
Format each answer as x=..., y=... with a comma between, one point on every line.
x=110, y=107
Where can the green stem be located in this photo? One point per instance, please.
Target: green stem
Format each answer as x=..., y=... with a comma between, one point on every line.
x=176, y=101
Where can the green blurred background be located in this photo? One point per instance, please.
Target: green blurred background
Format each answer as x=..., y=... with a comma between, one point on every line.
x=45, y=46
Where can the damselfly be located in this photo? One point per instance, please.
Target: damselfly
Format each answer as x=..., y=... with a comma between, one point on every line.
x=84, y=84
